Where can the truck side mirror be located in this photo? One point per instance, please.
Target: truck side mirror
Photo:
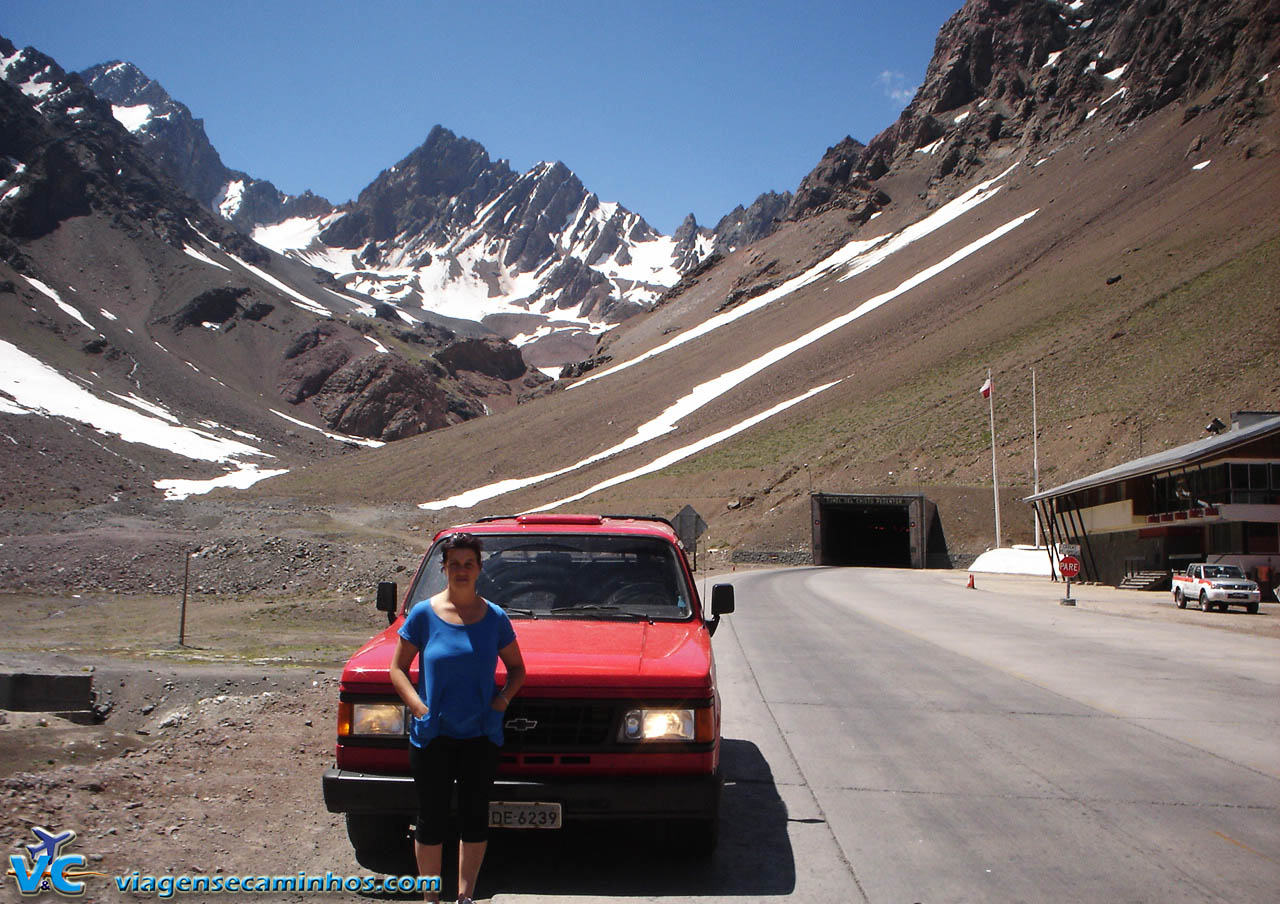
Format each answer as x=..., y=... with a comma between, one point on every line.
x=388, y=596
x=721, y=599
x=721, y=604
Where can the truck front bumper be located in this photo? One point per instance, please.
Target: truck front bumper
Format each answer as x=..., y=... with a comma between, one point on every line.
x=1234, y=597
x=582, y=798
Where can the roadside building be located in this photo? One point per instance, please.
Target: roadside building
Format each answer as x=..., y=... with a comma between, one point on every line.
x=1216, y=499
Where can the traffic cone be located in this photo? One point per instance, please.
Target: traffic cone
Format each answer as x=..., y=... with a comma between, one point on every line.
x=970, y=584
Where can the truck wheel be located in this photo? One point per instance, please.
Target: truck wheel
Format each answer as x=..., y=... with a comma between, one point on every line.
x=1252, y=608
x=1179, y=599
x=1205, y=605
x=381, y=843
x=693, y=837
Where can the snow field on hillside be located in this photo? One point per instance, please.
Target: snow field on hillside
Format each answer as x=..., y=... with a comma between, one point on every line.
x=858, y=256
x=67, y=309
x=710, y=390
x=37, y=389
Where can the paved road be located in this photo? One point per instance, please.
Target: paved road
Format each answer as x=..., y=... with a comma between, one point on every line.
x=894, y=737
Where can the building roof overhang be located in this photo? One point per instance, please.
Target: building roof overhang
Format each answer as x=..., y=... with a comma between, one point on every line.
x=1179, y=456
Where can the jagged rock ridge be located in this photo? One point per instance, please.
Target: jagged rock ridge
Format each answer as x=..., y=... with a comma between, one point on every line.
x=1012, y=75
x=177, y=141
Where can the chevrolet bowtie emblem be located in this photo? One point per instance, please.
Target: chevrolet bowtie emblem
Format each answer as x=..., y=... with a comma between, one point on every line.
x=521, y=724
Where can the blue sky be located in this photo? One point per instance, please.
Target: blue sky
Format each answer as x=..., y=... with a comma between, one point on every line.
x=664, y=107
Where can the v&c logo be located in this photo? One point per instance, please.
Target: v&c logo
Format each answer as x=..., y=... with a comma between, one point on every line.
x=47, y=868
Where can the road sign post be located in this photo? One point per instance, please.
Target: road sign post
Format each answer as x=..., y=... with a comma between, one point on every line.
x=689, y=527
x=1069, y=566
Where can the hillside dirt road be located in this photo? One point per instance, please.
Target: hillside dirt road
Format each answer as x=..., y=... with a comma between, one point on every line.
x=209, y=761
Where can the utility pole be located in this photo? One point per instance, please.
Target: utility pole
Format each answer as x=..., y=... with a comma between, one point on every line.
x=1035, y=452
x=989, y=392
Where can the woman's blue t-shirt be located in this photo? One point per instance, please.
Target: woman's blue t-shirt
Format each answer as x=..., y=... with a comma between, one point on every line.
x=455, y=673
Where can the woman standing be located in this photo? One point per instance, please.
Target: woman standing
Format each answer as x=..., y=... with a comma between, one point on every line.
x=457, y=709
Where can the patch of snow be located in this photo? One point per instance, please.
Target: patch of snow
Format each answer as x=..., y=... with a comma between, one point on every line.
x=57, y=299
x=12, y=193
x=298, y=298
x=153, y=408
x=210, y=325
x=1115, y=73
x=962, y=117
x=41, y=390
x=33, y=88
x=1200, y=166
x=1052, y=59
x=856, y=257
x=1120, y=93
x=245, y=475
x=710, y=390
x=107, y=314
x=382, y=349
x=232, y=194
x=203, y=258
x=291, y=234
x=358, y=440
x=1040, y=161
x=1092, y=113
x=1086, y=23
x=1018, y=560
x=930, y=147
x=132, y=118
x=552, y=372
x=676, y=455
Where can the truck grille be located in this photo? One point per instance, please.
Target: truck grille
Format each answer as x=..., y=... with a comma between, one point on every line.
x=558, y=725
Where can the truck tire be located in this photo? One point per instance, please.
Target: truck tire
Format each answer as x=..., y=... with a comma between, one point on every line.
x=1205, y=605
x=1179, y=599
x=1252, y=608
x=382, y=844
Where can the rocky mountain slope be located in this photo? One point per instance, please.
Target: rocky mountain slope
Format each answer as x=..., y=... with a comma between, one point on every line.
x=534, y=257
x=1077, y=188
x=147, y=347
x=176, y=141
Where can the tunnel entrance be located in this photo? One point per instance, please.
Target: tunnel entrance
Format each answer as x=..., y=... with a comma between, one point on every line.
x=884, y=531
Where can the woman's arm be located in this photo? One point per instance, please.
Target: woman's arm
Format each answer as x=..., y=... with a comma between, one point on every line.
x=400, y=663
x=511, y=658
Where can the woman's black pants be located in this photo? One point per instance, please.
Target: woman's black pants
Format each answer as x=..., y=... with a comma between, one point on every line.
x=471, y=762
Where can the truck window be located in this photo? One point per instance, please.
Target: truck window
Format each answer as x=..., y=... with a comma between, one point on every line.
x=600, y=575
x=1223, y=571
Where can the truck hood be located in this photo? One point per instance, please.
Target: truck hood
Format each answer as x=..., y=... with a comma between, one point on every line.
x=578, y=657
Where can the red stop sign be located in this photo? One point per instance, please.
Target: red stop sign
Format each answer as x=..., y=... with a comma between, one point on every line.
x=1069, y=566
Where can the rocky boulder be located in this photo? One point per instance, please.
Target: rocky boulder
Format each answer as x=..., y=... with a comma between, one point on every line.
x=491, y=357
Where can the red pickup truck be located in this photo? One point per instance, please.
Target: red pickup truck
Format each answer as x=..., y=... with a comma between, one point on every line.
x=619, y=718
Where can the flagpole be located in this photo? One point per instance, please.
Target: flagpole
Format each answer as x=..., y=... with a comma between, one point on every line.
x=1035, y=451
x=995, y=477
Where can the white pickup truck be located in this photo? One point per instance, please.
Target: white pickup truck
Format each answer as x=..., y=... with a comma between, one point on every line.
x=1215, y=585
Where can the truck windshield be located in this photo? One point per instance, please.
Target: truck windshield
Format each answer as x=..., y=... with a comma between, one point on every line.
x=596, y=576
x=1223, y=571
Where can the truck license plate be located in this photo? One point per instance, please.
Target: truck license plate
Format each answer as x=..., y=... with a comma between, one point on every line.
x=1239, y=596
x=508, y=815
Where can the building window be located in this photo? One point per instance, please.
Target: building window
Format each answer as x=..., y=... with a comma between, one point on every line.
x=1261, y=538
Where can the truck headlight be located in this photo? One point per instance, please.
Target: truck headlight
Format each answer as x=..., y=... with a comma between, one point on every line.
x=666, y=725
x=371, y=719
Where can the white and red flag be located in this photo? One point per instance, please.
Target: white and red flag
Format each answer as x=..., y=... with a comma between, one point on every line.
x=986, y=388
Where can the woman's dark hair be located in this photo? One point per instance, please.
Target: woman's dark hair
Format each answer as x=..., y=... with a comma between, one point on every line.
x=461, y=541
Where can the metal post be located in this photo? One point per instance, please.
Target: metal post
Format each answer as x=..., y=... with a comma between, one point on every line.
x=995, y=477
x=186, y=580
x=1035, y=449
